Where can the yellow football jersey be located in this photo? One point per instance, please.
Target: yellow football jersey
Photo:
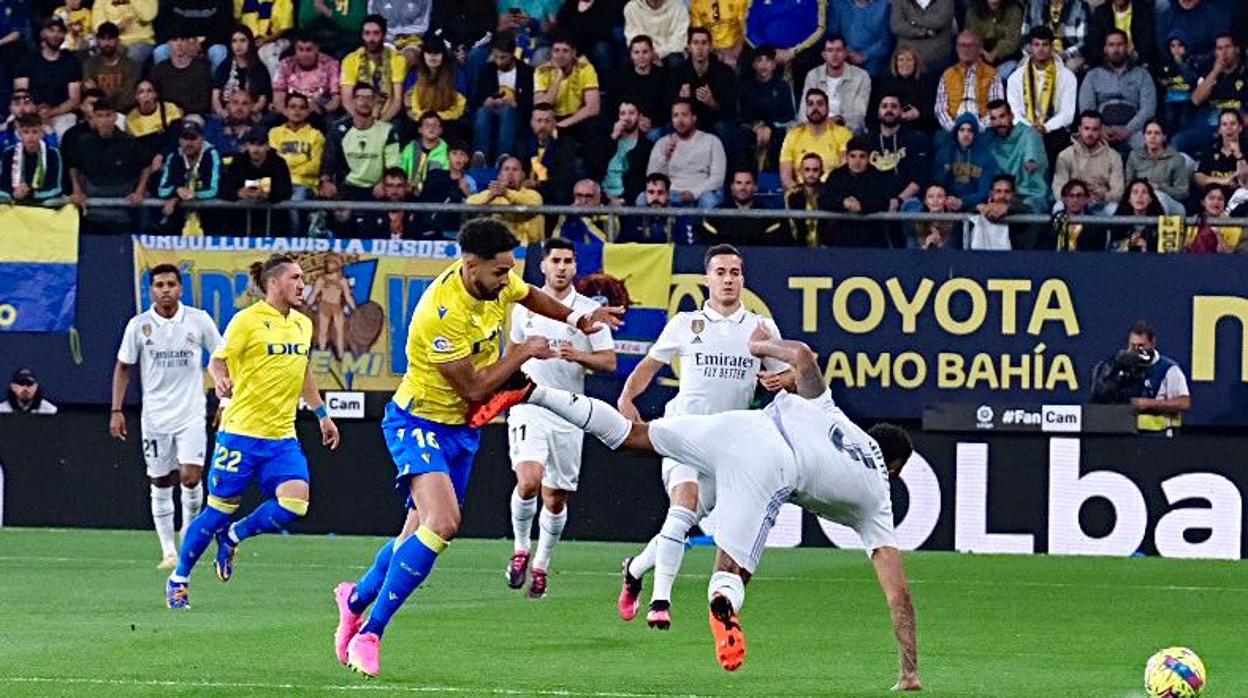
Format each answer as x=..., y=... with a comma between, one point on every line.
x=267, y=354
x=449, y=325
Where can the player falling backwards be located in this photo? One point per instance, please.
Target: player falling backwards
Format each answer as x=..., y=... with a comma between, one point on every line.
x=452, y=355
x=263, y=367
x=717, y=373
x=545, y=450
x=801, y=448
x=167, y=341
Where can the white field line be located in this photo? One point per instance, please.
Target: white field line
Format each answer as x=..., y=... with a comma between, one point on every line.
x=347, y=569
x=303, y=688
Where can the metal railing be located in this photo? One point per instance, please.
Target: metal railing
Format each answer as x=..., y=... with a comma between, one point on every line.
x=617, y=212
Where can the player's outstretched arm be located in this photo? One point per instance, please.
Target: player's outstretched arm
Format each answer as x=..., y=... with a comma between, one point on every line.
x=477, y=386
x=892, y=577
x=544, y=304
x=116, y=418
x=312, y=396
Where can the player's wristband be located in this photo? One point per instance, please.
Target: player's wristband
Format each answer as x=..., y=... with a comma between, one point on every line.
x=321, y=412
x=574, y=318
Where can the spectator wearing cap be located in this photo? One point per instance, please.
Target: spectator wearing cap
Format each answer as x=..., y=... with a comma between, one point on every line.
x=190, y=173
x=626, y=170
x=109, y=70
x=31, y=171
x=135, y=22
x=153, y=122
x=501, y=99
x=259, y=176
x=53, y=76
x=108, y=162
x=858, y=188
x=744, y=231
x=694, y=160
x=20, y=105
x=848, y=87
x=378, y=65
x=310, y=73
x=227, y=134
x=269, y=21
x=336, y=25
x=70, y=141
x=209, y=20
x=435, y=87
x=185, y=79
x=666, y=22
x=242, y=72
x=25, y=396
x=644, y=83
x=767, y=108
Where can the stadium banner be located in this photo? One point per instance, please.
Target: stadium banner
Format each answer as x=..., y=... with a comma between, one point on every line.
x=999, y=493
x=361, y=293
x=898, y=330
x=38, y=268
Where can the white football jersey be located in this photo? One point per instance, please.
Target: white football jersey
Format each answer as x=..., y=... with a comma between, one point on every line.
x=717, y=371
x=170, y=355
x=841, y=474
x=557, y=373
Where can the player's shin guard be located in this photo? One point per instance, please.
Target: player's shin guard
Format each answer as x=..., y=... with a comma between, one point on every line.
x=551, y=526
x=272, y=515
x=369, y=586
x=162, y=518
x=522, y=511
x=729, y=586
x=410, y=565
x=215, y=517
x=670, y=550
x=588, y=413
x=192, y=503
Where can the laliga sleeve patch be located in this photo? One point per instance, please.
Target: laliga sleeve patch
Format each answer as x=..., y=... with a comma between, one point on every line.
x=442, y=345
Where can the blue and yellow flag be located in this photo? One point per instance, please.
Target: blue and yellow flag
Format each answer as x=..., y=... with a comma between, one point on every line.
x=646, y=271
x=38, y=268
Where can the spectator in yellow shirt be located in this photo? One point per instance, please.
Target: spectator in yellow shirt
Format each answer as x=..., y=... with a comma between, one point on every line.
x=818, y=135
x=508, y=190
x=303, y=149
x=377, y=64
x=726, y=21
x=435, y=87
x=570, y=82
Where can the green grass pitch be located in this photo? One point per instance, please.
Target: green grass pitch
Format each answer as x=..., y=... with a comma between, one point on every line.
x=82, y=612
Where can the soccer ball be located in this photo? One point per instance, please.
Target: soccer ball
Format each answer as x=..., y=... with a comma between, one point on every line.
x=1175, y=672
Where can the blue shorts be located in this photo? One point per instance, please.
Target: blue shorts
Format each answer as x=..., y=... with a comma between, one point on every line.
x=419, y=446
x=238, y=460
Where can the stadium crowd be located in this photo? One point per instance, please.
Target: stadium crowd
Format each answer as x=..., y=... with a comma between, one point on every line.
x=986, y=107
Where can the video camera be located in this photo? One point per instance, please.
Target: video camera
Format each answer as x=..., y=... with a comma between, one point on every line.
x=1122, y=377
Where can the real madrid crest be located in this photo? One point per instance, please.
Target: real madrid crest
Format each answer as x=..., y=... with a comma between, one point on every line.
x=190, y=337
x=697, y=325
x=147, y=330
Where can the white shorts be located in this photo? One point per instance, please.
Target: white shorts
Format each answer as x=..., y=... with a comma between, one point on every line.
x=751, y=465
x=165, y=452
x=537, y=435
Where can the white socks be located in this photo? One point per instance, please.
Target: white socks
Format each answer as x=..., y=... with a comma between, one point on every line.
x=729, y=586
x=588, y=413
x=670, y=550
x=522, y=511
x=551, y=528
x=643, y=562
x=192, y=502
x=162, y=517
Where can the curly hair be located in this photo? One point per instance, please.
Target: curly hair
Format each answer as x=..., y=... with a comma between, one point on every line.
x=604, y=288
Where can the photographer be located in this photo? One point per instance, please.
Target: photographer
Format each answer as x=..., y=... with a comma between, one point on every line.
x=1152, y=383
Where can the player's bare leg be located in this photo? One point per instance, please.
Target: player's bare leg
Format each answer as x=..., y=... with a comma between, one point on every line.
x=726, y=593
x=322, y=330
x=192, y=494
x=162, y=519
x=670, y=551
x=523, y=510
x=550, y=524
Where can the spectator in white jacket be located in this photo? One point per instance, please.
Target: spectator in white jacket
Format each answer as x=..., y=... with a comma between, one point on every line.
x=848, y=87
x=1043, y=93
